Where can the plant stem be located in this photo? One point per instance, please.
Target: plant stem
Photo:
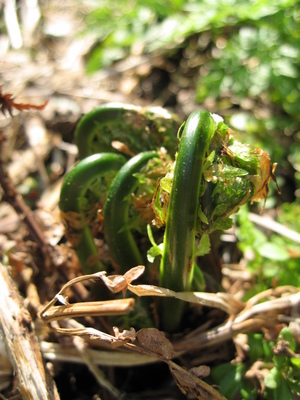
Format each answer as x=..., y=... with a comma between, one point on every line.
x=74, y=188
x=117, y=231
x=176, y=270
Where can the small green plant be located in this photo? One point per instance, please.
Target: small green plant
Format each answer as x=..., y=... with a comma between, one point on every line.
x=282, y=382
x=271, y=370
x=184, y=200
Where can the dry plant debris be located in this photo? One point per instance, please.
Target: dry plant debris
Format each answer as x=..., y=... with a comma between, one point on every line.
x=262, y=311
x=7, y=104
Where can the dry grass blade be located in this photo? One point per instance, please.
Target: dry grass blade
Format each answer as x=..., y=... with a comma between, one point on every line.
x=222, y=301
x=274, y=306
x=190, y=383
x=57, y=352
x=275, y=227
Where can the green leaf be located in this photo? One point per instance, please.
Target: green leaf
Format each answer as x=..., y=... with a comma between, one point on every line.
x=228, y=377
x=209, y=160
x=220, y=224
x=294, y=385
x=203, y=246
x=280, y=362
x=166, y=182
x=267, y=347
x=287, y=334
x=154, y=252
x=273, y=252
x=227, y=171
x=278, y=386
x=296, y=362
x=271, y=269
x=202, y=216
x=256, y=350
x=273, y=379
x=248, y=392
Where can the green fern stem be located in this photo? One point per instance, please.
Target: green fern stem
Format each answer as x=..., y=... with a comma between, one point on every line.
x=176, y=270
x=74, y=188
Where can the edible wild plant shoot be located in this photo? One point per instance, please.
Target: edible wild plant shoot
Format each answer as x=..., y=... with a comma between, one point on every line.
x=187, y=197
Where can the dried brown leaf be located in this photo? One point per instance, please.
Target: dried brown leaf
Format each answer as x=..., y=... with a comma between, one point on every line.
x=156, y=341
x=201, y=372
x=118, y=283
x=190, y=383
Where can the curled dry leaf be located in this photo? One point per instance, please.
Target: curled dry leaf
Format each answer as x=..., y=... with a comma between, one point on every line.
x=125, y=335
x=261, y=182
x=118, y=283
x=154, y=340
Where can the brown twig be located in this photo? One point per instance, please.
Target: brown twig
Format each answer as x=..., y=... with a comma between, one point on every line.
x=7, y=104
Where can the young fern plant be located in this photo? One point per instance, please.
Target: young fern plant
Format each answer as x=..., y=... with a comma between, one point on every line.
x=178, y=257
x=118, y=234
x=75, y=209
x=211, y=177
x=106, y=138
x=128, y=128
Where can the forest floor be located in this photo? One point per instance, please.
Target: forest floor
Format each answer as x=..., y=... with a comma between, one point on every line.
x=47, y=64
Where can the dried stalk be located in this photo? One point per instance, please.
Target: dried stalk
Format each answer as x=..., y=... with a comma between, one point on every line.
x=89, y=309
x=34, y=381
x=243, y=318
x=57, y=352
x=274, y=226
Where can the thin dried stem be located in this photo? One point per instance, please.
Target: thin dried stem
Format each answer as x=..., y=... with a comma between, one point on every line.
x=243, y=318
